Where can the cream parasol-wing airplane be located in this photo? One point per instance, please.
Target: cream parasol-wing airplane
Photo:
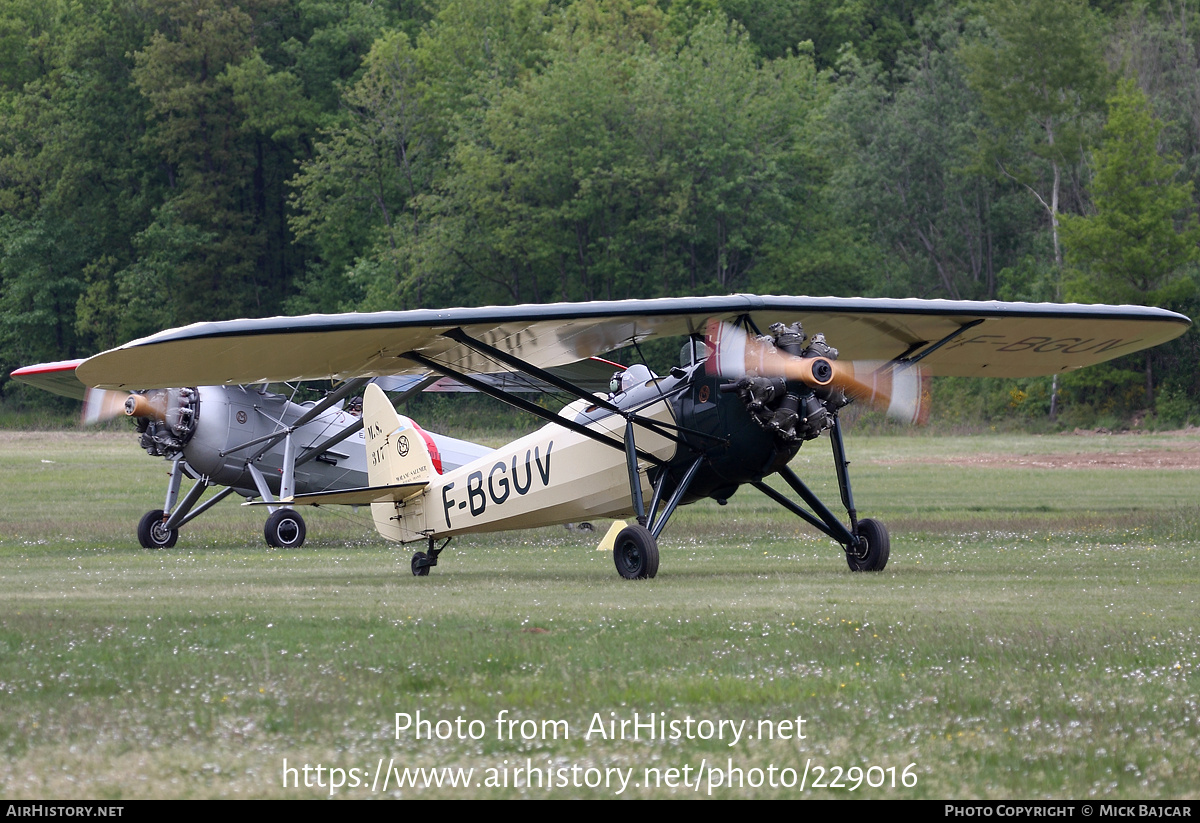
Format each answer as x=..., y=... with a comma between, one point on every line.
x=734, y=411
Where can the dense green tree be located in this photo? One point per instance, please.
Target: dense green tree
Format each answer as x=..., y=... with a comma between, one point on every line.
x=40, y=280
x=323, y=42
x=1161, y=52
x=1144, y=232
x=906, y=172
x=1041, y=80
x=879, y=31
x=537, y=185
x=73, y=179
x=355, y=199
x=745, y=167
x=355, y=192
x=628, y=168
x=198, y=73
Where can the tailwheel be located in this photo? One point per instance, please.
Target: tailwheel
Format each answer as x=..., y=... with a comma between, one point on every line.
x=872, y=554
x=420, y=564
x=152, y=534
x=284, y=529
x=635, y=553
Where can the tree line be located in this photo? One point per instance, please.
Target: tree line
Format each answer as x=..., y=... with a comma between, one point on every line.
x=169, y=161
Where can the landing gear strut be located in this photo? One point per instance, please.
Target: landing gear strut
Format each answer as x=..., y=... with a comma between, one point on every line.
x=422, y=562
x=865, y=541
x=635, y=552
x=159, y=529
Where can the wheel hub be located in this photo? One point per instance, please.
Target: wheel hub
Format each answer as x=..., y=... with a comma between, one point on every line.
x=862, y=549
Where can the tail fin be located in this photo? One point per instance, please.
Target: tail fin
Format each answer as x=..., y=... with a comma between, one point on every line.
x=397, y=450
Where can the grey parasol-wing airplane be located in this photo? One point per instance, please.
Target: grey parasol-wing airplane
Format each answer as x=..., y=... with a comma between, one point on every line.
x=262, y=444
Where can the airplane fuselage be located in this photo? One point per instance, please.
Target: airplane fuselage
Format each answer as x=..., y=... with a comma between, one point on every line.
x=232, y=422
x=557, y=475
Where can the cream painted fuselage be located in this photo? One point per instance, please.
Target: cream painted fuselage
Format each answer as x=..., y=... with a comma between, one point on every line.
x=558, y=475
x=552, y=476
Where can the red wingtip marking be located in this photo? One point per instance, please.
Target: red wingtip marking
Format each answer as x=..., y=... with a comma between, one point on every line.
x=47, y=368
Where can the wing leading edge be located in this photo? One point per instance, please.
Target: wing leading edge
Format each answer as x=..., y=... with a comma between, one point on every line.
x=972, y=338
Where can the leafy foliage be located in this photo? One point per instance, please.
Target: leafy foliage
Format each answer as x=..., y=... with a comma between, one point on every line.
x=174, y=161
x=1145, y=231
x=1041, y=81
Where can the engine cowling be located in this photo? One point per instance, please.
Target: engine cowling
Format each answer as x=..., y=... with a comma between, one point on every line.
x=216, y=429
x=793, y=411
x=166, y=419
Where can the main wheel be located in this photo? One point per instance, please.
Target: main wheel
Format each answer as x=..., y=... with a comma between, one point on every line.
x=874, y=555
x=420, y=565
x=151, y=533
x=635, y=553
x=284, y=529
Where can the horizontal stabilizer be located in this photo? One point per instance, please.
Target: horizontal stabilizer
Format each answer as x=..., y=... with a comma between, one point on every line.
x=350, y=497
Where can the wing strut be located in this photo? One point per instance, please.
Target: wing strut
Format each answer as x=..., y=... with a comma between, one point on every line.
x=906, y=360
x=313, y=451
x=661, y=429
x=526, y=406
x=345, y=390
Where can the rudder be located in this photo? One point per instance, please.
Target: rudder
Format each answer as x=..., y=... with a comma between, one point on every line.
x=396, y=449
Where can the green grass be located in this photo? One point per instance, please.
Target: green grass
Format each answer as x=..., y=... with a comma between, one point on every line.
x=1034, y=635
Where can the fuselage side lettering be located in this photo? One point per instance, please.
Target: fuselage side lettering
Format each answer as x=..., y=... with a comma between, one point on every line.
x=1046, y=345
x=501, y=481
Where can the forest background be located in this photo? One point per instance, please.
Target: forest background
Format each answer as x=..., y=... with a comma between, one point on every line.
x=169, y=161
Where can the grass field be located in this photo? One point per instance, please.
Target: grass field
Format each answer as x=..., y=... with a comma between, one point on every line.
x=1034, y=635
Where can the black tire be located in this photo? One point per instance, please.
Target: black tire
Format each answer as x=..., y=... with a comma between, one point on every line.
x=420, y=565
x=636, y=553
x=151, y=533
x=284, y=529
x=874, y=556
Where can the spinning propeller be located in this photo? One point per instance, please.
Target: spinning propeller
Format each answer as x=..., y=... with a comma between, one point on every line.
x=103, y=404
x=900, y=390
x=173, y=408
